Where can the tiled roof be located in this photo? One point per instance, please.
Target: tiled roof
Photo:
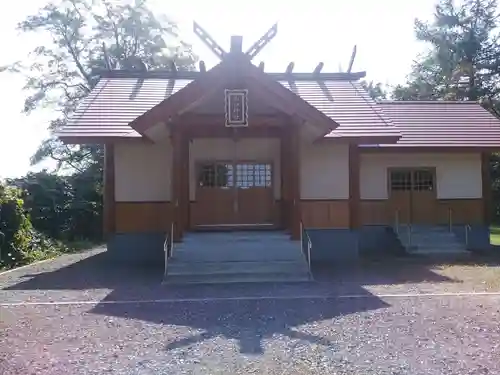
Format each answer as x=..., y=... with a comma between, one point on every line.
x=443, y=124
x=121, y=97
x=348, y=104
x=117, y=101
x=114, y=103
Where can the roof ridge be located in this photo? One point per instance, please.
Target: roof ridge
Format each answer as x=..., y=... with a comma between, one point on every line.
x=279, y=76
x=428, y=102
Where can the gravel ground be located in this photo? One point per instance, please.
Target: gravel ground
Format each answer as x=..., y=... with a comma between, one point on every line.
x=295, y=329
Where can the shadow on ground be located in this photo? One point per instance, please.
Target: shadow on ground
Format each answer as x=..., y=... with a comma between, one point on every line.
x=246, y=313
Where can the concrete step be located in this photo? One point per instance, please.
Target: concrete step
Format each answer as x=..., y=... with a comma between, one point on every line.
x=230, y=257
x=219, y=268
x=431, y=240
x=438, y=251
x=237, y=278
x=434, y=243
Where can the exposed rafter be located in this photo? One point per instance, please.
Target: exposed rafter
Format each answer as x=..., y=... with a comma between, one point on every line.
x=289, y=68
x=318, y=68
x=262, y=42
x=351, y=61
x=209, y=41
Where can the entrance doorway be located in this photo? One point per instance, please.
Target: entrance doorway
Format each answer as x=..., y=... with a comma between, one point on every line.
x=234, y=193
x=413, y=195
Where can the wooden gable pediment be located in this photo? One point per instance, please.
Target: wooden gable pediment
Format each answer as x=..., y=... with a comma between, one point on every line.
x=235, y=72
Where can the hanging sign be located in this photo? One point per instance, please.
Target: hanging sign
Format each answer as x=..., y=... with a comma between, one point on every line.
x=236, y=107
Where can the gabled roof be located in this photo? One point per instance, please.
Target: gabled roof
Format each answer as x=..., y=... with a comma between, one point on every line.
x=443, y=124
x=121, y=97
x=235, y=69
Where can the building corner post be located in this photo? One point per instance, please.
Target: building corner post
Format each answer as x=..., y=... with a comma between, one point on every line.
x=109, y=199
x=354, y=186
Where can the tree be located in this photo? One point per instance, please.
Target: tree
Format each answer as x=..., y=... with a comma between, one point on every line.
x=463, y=62
x=375, y=90
x=65, y=71
x=86, y=36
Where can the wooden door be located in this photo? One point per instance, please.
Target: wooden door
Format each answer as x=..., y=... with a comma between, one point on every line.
x=254, y=193
x=423, y=197
x=233, y=194
x=400, y=184
x=215, y=195
x=412, y=195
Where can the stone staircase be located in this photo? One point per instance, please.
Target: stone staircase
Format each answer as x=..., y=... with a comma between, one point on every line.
x=230, y=257
x=428, y=240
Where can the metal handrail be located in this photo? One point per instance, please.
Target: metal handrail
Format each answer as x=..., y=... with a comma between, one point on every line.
x=171, y=240
x=306, y=252
x=409, y=229
x=168, y=247
x=397, y=221
x=467, y=229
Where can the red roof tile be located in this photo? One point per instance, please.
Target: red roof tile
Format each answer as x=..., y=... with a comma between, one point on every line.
x=443, y=124
x=119, y=99
x=349, y=105
x=115, y=102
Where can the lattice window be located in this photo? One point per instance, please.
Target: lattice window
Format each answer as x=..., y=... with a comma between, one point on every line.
x=400, y=180
x=216, y=175
x=423, y=180
x=416, y=180
x=253, y=175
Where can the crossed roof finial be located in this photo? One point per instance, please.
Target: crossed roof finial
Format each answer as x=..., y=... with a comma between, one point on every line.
x=236, y=42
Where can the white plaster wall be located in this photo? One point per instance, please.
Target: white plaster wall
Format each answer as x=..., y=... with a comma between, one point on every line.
x=324, y=171
x=203, y=149
x=458, y=176
x=142, y=172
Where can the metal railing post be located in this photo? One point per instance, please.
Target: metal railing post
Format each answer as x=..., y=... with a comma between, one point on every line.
x=165, y=251
x=309, y=246
x=467, y=228
x=450, y=223
x=301, y=237
x=397, y=221
x=171, y=240
x=409, y=236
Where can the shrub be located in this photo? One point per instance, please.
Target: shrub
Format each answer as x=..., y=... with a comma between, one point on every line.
x=20, y=243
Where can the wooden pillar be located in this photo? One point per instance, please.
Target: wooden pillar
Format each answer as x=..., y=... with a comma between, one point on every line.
x=109, y=209
x=486, y=188
x=294, y=172
x=354, y=186
x=285, y=178
x=180, y=181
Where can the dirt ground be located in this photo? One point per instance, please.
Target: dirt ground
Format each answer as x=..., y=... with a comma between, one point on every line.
x=79, y=315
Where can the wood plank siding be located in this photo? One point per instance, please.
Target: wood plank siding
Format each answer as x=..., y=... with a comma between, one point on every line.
x=463, y=211
x=143, y=217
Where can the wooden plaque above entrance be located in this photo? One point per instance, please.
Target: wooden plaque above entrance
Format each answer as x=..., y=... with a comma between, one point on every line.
x=236, y=107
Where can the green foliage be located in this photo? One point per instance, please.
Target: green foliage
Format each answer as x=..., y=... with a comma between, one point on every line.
x=375, y=90
x=67, y=208
x=20, y=243
x=60, y=74
x=65, y=71
x=463, y=61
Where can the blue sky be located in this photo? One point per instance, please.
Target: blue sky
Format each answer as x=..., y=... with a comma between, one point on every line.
x=308, y=32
